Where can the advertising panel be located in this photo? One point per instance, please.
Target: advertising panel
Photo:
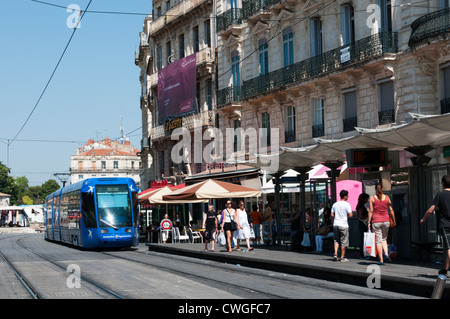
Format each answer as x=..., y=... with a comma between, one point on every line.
x=177, y=89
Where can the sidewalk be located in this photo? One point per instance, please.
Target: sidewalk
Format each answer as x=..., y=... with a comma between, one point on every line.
x=402, y=276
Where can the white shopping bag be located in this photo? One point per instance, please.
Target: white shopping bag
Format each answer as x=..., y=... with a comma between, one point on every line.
x=221, y=239
x=369, y=244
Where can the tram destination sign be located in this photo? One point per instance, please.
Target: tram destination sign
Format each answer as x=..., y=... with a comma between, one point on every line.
x=367, y=157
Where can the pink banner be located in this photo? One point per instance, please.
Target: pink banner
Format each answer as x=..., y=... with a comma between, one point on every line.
x=177, y=89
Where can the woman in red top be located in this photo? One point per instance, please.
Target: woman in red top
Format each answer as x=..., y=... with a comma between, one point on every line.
x=380, y=208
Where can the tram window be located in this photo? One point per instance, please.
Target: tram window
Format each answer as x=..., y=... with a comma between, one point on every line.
x=114, y=206
x=134, y=196
x=88, y=210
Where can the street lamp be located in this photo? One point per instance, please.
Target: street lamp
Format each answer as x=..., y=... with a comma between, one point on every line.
x=63, y=177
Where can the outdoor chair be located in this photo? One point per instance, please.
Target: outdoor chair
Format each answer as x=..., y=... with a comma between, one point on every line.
x=195, y=235
x=179, y=237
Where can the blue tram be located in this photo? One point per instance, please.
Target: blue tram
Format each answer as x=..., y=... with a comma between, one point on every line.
x=94, y=213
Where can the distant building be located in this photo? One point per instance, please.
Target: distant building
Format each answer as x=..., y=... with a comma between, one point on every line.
x=105, y=158
x=4, y=199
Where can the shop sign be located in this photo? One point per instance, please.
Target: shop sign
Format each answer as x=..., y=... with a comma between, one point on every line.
x=172, y=124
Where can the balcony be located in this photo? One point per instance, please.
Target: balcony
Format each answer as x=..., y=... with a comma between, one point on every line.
x=350, y=123
x=252, y=7
x=229, y=95
x=386, y=117
x=228, y=18
x=318, y=130
x=430, y=26
x=368, y=48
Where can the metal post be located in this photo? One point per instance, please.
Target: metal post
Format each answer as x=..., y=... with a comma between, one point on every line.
x=439, y=287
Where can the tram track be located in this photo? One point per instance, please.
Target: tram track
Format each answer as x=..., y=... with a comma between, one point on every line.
x=33, y=289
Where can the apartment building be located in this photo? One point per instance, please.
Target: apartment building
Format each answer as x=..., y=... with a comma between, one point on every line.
x=176, y=35
x=105, y=158
x=318, y=69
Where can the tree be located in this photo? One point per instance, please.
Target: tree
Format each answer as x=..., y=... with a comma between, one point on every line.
x=7, y=183
x=49, y=187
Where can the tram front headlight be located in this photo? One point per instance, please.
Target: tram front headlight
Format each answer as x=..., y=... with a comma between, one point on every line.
x=104, y=231
x=128, y=230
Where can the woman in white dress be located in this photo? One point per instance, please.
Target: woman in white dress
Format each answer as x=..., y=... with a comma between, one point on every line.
x=244, y=231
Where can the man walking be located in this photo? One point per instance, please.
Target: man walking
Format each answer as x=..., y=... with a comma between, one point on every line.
x=340, y=212
x=442, y=206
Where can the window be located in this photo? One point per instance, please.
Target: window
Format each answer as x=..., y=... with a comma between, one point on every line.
x=158, y=10
x=208, y=33
x=318, y=117
x=445, y=4
x=235, y=73
x=237, y=136
x=116, y=165
x=386, y=15
x=348, y=24
x=387, y=104
x=196, y=39
x=181, y=46
x=167, y=5
x=168, y=51
x=263, y=57
x=290, y=124
x=316, y=36
x=103, y=165
x=209, y=93
x=350, y=111
x=266, y=126
x=445, y=102
x=159, y=57
x=288, y=47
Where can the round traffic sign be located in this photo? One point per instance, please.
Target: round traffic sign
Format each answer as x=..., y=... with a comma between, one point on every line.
x=166, y=224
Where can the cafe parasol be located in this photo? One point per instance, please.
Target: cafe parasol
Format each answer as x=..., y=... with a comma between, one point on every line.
x=210, y=189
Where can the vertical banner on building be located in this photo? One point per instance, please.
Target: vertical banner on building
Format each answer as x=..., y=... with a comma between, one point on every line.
x=177, y=89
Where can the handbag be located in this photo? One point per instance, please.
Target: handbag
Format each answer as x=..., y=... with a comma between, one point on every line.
x=323, y=231
x=306, y=242
x=233, y=224
x=369, y=244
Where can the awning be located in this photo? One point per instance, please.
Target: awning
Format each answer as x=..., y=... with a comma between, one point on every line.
x=424, y=132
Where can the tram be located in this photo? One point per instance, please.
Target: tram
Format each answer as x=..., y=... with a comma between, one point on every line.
x=94, y=213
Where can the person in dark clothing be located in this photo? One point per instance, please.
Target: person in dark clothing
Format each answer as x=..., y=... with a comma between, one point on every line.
x=210, y=226
x=363, y=216
x=442, y=206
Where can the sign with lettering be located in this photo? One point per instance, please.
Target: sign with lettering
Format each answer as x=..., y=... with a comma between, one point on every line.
x=367, y=157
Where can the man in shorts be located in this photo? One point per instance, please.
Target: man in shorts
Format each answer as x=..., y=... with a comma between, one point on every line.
x=442, y=204
x=340, y=212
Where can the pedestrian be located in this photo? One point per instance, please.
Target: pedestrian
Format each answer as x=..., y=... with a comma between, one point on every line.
x=256, y=217
x=363, y=218
x=230, y=223
x=295, y=226
x=243, y=233
x=442, y=206
x=340, y=212
x=325, y=229
x=379, y=210
x=267, y=221
x=210, y=226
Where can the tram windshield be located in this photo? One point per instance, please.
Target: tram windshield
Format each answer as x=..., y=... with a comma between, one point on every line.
x=114, y=206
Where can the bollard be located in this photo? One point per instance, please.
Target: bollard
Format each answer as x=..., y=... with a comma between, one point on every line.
x=439, y=287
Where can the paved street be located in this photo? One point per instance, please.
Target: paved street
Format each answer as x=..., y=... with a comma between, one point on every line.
x=140, y=273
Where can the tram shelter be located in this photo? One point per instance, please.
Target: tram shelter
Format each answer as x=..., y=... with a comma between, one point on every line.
x=422, y=135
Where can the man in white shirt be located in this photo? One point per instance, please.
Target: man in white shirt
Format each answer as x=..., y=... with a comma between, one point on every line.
x=340, y=212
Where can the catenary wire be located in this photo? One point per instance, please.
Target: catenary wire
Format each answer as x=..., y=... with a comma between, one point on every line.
x=53, y=73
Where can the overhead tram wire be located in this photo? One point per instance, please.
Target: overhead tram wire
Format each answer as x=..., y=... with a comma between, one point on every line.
x=53, y=73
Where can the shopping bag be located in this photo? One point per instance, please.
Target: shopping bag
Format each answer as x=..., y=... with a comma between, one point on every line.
x=369, y=244
x=221, y=239
x=306, y=242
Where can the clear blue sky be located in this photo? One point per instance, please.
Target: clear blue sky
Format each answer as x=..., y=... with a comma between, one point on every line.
x=95, y=85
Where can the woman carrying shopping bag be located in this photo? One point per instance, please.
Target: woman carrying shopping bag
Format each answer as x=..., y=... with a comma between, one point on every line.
x=380, y=208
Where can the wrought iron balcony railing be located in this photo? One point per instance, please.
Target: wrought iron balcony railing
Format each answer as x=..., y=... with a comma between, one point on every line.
x=364, y=49
x=250, y=7
x=350, y=123
x=318, y=130
x=430, y=26
x=228, y=18
x=386, y=117
x=228, y=95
